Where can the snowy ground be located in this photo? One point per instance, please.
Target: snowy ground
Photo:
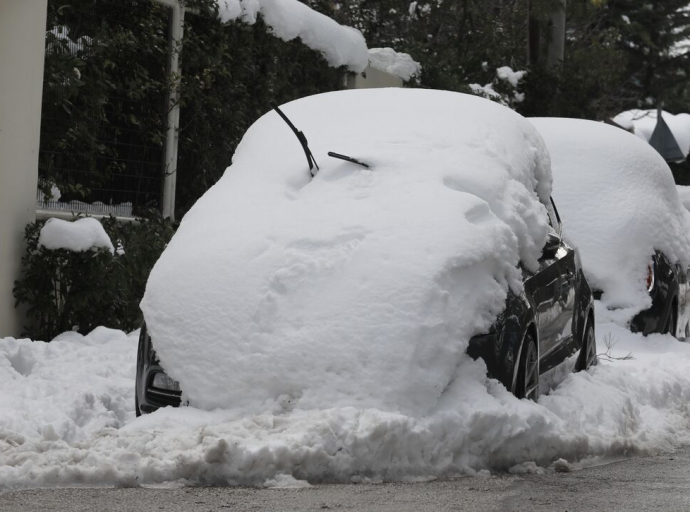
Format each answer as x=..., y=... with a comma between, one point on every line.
x=67, y=418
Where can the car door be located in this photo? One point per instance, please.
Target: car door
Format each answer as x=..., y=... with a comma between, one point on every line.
x=563, y=342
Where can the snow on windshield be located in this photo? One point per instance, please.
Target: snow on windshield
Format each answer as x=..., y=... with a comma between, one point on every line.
x=67, y=418
x=618, y=203
x=359, y=288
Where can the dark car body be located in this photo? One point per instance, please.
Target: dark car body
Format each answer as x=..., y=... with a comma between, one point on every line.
x=149, y=397
x=668, y=290
x=555, y=310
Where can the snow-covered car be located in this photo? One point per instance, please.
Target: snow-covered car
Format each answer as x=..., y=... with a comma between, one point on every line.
x=621, y=207
x=353, y=270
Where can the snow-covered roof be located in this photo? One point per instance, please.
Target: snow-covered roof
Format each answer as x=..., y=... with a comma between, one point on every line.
x=289, y=19
x=359, y=286
x=78, y=236
x=618, y=203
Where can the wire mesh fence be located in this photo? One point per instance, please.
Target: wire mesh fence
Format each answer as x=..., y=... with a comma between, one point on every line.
x=104, y=106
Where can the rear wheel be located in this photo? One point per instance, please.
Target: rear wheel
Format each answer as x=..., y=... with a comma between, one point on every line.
x=527, y=384
x=588, y=352
x=671, y=322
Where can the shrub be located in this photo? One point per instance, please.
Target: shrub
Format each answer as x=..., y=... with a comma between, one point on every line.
x=67, y=290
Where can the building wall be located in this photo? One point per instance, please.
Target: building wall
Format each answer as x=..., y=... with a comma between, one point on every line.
x=22, y=40
x=372, y=78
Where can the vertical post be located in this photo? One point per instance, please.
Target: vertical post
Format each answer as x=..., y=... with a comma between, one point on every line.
x=22, y=50
x=172, y=137
x=556, y=52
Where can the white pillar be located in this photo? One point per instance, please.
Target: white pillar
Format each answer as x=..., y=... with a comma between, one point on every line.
x=22, y=43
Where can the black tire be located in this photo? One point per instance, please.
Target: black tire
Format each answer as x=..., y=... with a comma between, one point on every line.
x=671, y=322
x=527, y=384
x=588, y=351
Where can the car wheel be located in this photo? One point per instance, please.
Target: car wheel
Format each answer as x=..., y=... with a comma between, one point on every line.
x=588, y=352
x=671, y=322
x=527, y=385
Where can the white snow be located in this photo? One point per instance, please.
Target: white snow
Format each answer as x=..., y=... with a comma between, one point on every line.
x=395, y=63
x=618, y=202
x=289, y=19
x=67, y=418
x=78, y=236
x=643, y=123
x=507, y=73
x=360, y=287
x=504, y=73
x=684, y=195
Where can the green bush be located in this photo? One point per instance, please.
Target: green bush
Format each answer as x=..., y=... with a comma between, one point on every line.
x=67, y=290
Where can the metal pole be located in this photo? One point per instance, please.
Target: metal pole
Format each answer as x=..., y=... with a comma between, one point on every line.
x=172, y=136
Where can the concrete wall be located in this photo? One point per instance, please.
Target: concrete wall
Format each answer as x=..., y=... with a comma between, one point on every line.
x=22, y=40
x=372, y=78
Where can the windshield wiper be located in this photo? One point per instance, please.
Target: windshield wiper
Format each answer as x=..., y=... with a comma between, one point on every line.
x=347, y=159
x=302, y=139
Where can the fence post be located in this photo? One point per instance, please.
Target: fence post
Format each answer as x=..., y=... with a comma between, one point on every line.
x=172, y=137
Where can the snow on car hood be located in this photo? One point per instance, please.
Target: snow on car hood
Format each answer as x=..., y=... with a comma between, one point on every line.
x=358, y=287
x=618, y=203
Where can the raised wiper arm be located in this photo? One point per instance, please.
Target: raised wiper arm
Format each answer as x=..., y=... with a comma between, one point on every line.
x=347, y=159
x=302, y=139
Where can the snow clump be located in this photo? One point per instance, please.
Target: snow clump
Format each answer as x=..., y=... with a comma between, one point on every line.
x=619, y=204
x=359, y=287
x=395, y=63
x=289, y=19
x=81, y=235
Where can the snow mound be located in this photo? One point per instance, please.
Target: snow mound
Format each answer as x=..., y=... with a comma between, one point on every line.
x=67, y=418
x=289, y=19
x=618, y=202
x=684, y=195
x=643, y=123
x=360, y=287
x=397, y=64
x=78, y=236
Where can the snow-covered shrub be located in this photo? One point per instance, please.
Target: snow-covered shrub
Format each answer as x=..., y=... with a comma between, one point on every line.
x=78, y=289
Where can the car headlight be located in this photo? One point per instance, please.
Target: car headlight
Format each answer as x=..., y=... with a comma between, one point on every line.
x=162, y=381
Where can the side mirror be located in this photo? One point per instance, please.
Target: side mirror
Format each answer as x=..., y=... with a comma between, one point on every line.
x=553, y=242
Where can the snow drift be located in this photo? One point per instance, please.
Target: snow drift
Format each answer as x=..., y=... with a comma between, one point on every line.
x=67, y=418
x=618, y=203
x=360, y=287
x=78, y=236
x=643, y=123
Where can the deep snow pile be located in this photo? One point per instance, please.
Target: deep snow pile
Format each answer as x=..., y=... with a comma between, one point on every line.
x=289, y=19
x=618, y=203
x=78, y=236
x=67, y=418
x=643, y=123
x=360, y=287
x=399, y=64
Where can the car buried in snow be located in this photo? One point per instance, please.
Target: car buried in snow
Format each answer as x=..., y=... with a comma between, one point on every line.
x=621, y=207
x=419, y=229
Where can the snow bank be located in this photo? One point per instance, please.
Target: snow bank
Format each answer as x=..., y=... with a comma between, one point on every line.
x=67, y=418
x=78, y=236
x=643, y=123
x=288, y=19
x=397, y=64
x=359, y=287
x=618, y=203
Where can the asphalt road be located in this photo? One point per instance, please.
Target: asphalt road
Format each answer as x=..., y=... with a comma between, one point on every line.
x=642, y=484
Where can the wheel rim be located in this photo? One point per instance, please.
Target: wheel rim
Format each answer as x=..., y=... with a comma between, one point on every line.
x=531, y=372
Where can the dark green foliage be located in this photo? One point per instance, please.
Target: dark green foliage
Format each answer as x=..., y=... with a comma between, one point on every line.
x=106, y=88
x=65, y=290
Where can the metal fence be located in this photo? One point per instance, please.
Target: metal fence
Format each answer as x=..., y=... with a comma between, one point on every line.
x=98, y=157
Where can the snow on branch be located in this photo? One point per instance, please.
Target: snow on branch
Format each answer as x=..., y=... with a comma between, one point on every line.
x=289, y=19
